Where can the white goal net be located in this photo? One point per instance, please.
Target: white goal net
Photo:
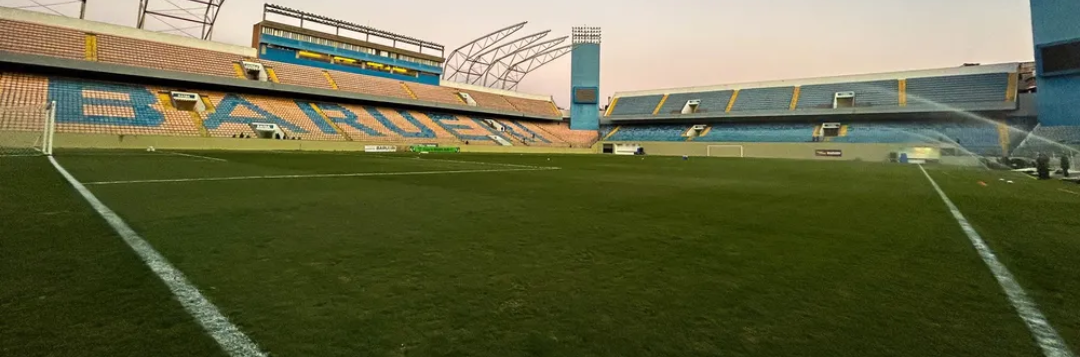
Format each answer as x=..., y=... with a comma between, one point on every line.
x=27, y=130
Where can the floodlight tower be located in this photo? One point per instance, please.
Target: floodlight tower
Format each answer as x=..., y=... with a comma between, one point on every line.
x=585, y=79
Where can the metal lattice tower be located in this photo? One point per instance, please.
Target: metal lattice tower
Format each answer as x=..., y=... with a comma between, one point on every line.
x=193, y=18
x=56, y=7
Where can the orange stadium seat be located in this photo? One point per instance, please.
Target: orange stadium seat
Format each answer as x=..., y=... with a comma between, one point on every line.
x=163, y=56
x=435, y=93
x=352, y=82
x=532, y=106
x=43, y=40
x=298, y=75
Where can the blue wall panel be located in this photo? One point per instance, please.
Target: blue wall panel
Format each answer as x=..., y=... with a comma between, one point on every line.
x=1056, y=21
x=585, y=72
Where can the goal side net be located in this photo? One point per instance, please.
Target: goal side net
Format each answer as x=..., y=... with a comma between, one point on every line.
x=27, y=130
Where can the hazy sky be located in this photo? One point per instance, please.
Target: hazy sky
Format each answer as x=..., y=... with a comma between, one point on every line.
x=651, y=44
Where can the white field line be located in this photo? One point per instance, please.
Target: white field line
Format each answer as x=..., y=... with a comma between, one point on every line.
x=1045, y=336
x=462, y=161
x=109, y=154
x=278, y=177
x=231, y=339
x=1069, y=191
x=198, y=156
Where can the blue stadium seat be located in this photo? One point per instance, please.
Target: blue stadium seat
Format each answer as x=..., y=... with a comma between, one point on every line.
x=1049, y=139
x=651, y=133
x=978, y=138
x=636, y=105
x=759, y=133
x=976, y=88
x=778, y=98
x=867, y=94
x=711, y=102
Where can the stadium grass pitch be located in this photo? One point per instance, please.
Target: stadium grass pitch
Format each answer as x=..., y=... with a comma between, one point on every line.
x=501, y=255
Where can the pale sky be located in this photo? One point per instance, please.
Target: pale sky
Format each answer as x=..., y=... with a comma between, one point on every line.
x=650, y=44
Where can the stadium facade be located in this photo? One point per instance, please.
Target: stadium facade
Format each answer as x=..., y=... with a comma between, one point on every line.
x=122, y=87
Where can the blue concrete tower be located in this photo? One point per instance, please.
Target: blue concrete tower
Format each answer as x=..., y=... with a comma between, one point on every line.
x=585, y=79
x=1056, y=30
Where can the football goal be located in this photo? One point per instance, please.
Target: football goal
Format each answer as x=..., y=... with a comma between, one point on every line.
x=27, y=130
x=725, y=151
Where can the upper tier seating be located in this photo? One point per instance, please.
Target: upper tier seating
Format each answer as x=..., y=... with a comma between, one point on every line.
x=298, y=75
x=636, y=105
x=30, y=38
x=990, y=87
x=942, y=90
x=166, y=57
x=43, y=40
x=116, y=108
x=711, y=102
x=533, y=106
x=436, y=94
x=867, y=94
x=352, y=82
x=778, y=98
x=759, y=133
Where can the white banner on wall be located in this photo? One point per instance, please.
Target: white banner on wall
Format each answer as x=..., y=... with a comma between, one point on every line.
x=380, y=148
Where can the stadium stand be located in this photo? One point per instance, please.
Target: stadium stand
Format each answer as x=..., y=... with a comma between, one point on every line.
x=1049, y=139
x=54, y=41
x=990, y=87
x=711, y=102
x=436, y=94
x=978, y=138
x=298, y=75
x=533, y=106
x=29, y=38
x=876, y=93
x=651, y=133
x=166, y=57
x=636, y=105
x=777, y=98
x=98, y=107
x=489, y=100
x=351, y=82
x=759, y=132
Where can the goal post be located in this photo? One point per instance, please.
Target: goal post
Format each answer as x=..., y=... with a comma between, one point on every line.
x=27, y=130
x=724, y=151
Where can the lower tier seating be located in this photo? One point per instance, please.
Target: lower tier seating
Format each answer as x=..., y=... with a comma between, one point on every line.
x=97, y=107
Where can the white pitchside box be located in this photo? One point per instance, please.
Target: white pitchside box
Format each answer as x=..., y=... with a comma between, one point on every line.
x=626, y=149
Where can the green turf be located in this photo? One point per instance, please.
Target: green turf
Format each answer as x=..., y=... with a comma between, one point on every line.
x=1033, y=226
x=605, y=256
x=70, y=287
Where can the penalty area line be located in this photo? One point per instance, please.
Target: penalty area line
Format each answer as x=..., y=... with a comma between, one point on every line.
x=227, y=335
x=198, y=156
x=1045, y=335
x=280, y=177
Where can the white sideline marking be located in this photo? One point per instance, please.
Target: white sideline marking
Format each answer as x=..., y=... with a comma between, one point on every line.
x=1064, y=190
x=231, y=339
x=199, y=156
x=459, y=161
x=356, y=174
x=1048, y=339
